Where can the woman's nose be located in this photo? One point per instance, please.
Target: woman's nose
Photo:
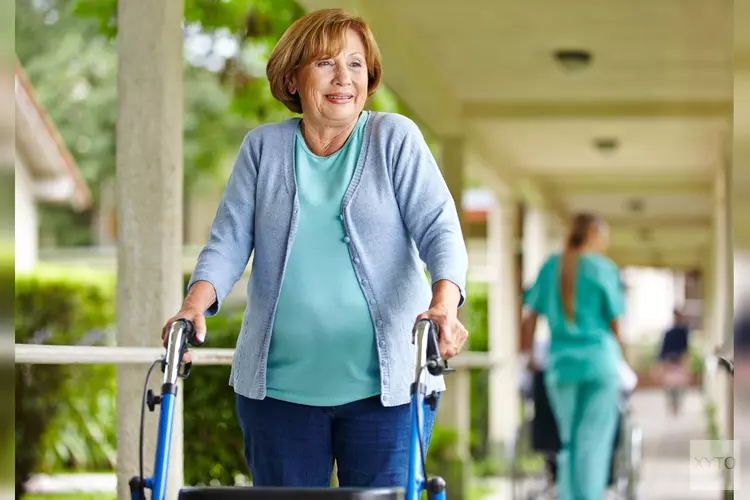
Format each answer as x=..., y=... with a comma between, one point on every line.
x=342, y=76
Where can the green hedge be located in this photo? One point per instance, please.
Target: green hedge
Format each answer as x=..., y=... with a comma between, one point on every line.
x=213, y=438
x=64, y=414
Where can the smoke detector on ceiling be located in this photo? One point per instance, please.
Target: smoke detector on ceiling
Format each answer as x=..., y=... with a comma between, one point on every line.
x=573, y=59
x=635, y=205
x=606, y=145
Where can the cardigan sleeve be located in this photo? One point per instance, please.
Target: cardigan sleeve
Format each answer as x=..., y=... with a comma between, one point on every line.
x=428, y=209
x=231, y=238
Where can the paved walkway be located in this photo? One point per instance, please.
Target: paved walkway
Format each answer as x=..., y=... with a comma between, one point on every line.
x=666, y=454
x=69, y=483
x=666, y=441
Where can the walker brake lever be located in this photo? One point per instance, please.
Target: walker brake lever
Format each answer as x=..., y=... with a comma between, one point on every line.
x=185, y=371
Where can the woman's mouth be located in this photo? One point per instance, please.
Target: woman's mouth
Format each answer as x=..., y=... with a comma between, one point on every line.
x=339, y=98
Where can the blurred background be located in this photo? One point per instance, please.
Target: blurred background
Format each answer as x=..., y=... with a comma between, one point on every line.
x=534, y=110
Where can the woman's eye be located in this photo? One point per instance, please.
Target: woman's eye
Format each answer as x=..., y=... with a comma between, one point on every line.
x=324, y=63
x=357, y=64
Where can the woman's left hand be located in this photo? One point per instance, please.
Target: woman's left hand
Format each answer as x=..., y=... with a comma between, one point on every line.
x=452, y=334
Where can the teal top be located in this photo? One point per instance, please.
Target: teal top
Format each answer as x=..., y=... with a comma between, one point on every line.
x=323, y=350
x=585, y=349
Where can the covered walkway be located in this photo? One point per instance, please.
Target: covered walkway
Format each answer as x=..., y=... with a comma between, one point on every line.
x=555, y=107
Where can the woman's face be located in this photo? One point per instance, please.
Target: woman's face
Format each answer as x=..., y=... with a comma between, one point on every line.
x=334, y=90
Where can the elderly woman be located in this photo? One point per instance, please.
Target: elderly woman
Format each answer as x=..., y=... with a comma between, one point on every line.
x=340, y=208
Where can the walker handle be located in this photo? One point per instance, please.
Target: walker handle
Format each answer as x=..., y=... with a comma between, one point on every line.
x=428, y=331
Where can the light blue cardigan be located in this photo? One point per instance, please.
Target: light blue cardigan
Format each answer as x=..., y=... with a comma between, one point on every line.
x=397, y=213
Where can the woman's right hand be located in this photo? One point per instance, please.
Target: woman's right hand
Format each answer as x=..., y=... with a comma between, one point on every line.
x=193, y=315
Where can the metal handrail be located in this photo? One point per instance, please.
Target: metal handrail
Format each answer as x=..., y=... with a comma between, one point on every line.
x=97, y=355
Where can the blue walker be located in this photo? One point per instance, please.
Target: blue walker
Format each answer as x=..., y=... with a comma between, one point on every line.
x=182, y=335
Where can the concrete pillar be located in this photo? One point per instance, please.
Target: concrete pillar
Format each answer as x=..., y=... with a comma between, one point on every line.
x=708, y=315
x=26, y=222
x=726, y=247
x=721, y=304
x=536, y=236
x=149, y=211
x=454, y=402
x=536, y=249
x=452, y=164
x=503, y=307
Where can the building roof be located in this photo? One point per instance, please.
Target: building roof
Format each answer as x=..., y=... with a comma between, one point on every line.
x=42, y=151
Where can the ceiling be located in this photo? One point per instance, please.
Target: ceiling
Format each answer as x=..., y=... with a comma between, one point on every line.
x=639, y=133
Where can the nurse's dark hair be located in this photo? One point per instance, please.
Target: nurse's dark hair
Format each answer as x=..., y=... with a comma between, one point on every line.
x=582, y=227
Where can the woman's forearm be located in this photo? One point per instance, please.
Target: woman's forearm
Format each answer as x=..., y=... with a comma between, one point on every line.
x=201, y=296
x=445, y=293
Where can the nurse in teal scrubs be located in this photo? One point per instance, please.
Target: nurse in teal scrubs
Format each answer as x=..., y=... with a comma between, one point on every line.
x=580, y=294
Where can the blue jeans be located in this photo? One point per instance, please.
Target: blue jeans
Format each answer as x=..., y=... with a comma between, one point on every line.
x=293, y=445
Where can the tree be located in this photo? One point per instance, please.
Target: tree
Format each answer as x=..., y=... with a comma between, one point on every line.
x=68, y=49
x=71, y=59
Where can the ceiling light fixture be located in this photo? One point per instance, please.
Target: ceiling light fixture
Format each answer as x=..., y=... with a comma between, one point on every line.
x=606, y=145
x=573, y=59
x=635, y=205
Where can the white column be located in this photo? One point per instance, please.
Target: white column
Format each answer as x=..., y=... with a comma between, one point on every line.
x=26, y=219
x=503, y=307
x=722, y=302
x=452, y=165
x=535, y=243
x=455, y=402
x=678, y=280
x=707, y=317
x=149, y=211
x=536, y=249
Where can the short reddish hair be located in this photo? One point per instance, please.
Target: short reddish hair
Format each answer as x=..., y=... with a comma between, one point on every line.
x=317, y=35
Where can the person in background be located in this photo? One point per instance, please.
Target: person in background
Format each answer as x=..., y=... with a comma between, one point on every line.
x=580, y=293
x=674, y=362
x=341, y=209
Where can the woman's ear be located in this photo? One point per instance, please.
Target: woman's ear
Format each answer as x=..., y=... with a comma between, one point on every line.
x=292, y=85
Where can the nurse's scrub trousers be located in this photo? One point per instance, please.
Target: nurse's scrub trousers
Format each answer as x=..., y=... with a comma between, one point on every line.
x=587, y=415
